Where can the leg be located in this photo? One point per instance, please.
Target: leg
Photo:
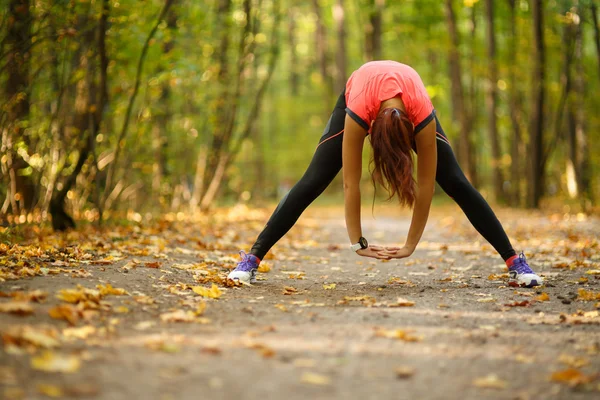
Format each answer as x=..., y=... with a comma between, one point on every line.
x=454, y=182
x=325, y=165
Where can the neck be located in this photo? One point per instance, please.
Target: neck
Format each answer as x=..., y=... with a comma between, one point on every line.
x=394, y=102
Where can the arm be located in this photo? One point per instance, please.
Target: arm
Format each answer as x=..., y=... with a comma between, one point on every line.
x=352, y=148
x=426, y=171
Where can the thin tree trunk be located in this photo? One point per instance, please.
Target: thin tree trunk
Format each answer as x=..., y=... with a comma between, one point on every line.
x=536, y=142
x=321, y=43
x=17, y=91
x=491, y=103
x=227, y=157
x=294, y=74
x=340, y=56
x=515, y=115
x=138, y=76
x=595, y=23
x=458, y=101
x=373, y=30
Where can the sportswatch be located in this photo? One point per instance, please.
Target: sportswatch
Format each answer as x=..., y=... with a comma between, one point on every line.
x=362, y=244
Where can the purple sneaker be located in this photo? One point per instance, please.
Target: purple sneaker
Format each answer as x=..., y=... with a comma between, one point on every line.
x=245, y=272
x=522, y=274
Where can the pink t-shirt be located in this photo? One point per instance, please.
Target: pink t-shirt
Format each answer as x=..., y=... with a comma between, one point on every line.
x=377, y=81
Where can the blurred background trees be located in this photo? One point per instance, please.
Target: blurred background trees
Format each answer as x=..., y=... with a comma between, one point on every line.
x=115, y=106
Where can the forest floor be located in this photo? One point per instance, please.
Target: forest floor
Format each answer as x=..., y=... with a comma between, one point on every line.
x=131, y=312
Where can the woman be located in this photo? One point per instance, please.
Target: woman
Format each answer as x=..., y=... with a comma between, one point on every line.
x=387, y=100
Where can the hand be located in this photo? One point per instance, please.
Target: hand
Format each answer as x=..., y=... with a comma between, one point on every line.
x=374, y=252
x=396, y=252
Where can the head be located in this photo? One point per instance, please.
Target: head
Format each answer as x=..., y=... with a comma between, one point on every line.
x=392, y=162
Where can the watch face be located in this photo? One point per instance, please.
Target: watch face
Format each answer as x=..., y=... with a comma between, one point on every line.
x=363, y=243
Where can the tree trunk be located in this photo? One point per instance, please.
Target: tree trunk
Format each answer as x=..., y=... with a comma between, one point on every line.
x=163, y=113
x=321, y=44
x=21, y=194
x=515, y=115
x=458, y=101
x=373, y=30
x=595, y=23
x=536, y=142
x=491, y=103
x=294, y=74
x=340, y=56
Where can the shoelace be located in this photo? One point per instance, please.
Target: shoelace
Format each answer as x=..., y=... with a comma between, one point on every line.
x=520, y=265
x=247, y=264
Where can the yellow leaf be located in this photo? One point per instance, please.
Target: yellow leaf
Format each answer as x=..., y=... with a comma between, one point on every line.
x=289, y=290
x=329, y=287
x=49, y=390
x=264, y=268
x=587, y=296
x=82, y=332
x=281, y=307
x=543, y=297
x=571, y=377
x=16, y=307
x=400, y=302
x=593, y=272
x=178, y=316
x=490, y=381
x=398, y=334
x=315, y=379
x=122, y=310
x=66, y=312
x=404, y=372
x=213, y=293
x=55, y=362
x=572, y=361
x=108, y=289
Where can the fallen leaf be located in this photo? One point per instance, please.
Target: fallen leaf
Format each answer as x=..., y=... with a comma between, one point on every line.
x=214, y=292
x=281, y=307
x=571, y=377
x=400, y=302
x=524, y=303
x=65, y=311
x=490, y=381
x=584, y=295
x=572, y=361
x=399, y=334
x=82, y=332
x=24, y=336
x=154, y=264
x=49, y=390
x=543, y=297
x=37, y=296
x=487, y=300
x=315, y=379
x=262, y=349
x=289, y=290
x=593, y=272
x=55, y=362
x=122, y=310
x=16, y=307
x=329, y=287
x=109, y=290
x=264, y=268
x=404, y=372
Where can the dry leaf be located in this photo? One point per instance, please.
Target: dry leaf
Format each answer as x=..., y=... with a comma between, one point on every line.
x=262, y=349
x=16, y=307
x=108, y=289
x=329, y=287
x=572, y=361
x=404, y=372
x=55, y=362
x=178, y=316
x=154, y=264
x=281, y=307
x=571, y=377
x=49, y=390
x=213, y=293
x=264, y=268
x=82, y=332
x=399, y=334
x=66, y=312
x=315, y=379
x=490, y=381
x=523, y=303
x=289, y=290
x=543, y=297
x=22, y=336
x=584, y=295
x=487, y=300
x=400, y=302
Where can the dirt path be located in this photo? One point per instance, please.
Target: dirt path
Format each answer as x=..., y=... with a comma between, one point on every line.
x=323, y=323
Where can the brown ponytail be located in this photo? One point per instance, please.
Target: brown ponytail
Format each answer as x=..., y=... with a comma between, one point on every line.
x=392, y=162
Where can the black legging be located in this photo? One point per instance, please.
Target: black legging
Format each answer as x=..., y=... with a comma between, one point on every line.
x=327, y=162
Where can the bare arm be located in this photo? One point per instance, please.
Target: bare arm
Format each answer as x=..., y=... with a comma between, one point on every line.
x=352, y=148
x=426, y=170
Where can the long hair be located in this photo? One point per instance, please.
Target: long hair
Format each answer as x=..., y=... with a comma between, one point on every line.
x=392, y=162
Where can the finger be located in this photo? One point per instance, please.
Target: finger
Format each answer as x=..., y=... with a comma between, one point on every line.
x=394, y=248
x=376, y=248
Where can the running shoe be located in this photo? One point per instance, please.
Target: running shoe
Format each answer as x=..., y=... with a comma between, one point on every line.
x=522, y=274
x=245, y=272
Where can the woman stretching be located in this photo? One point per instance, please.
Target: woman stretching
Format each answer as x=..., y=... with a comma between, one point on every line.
x=387, y=100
